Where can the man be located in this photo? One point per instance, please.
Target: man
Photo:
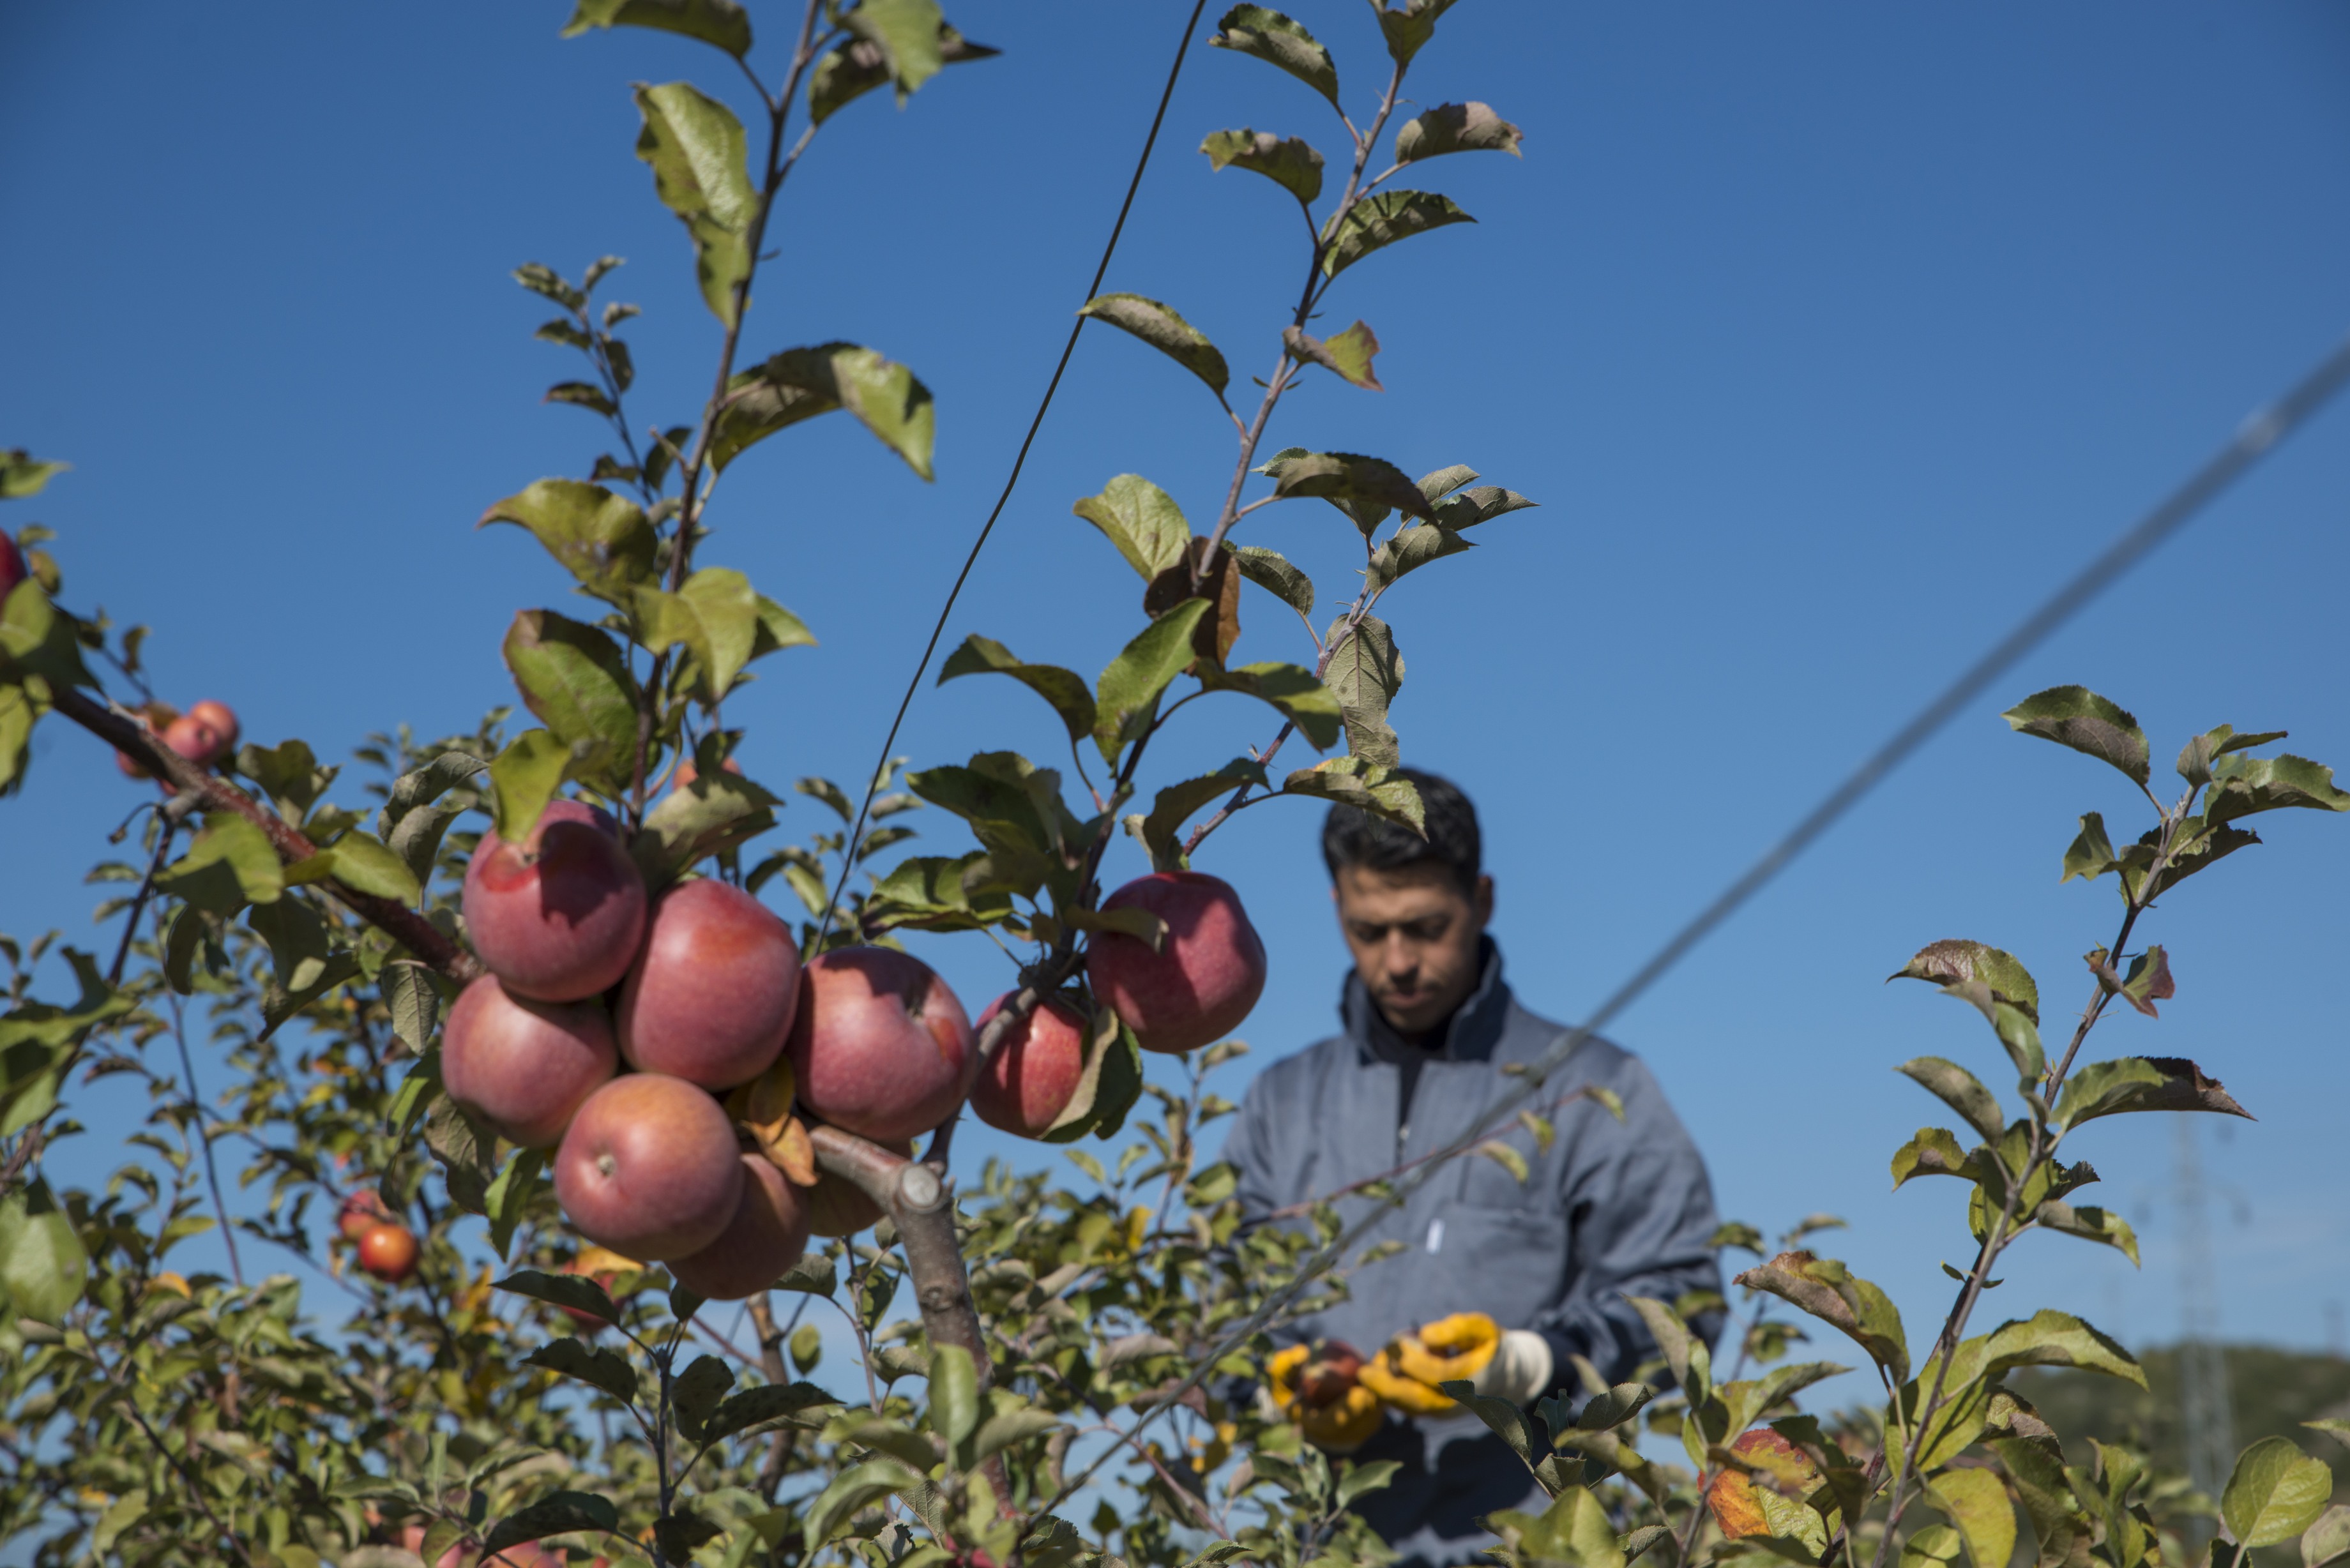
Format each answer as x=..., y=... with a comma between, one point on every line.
x=1609, y=1209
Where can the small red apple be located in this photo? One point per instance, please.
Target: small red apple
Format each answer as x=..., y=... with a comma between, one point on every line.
x=650, y=1167
x=558, y=917
x=221, y=718
x=362, y=1213
x=522, y=1066
x=712, y=996
x=1329, y=1374
x=13, y=569
x=1205, y=977
x=766, y=1236
x=880, y=1046
x=195, y=740
x=1029, y=1079
x=389, y=1253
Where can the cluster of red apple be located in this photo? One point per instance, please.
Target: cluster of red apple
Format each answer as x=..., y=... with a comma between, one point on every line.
x=204, y=734
x=700, y=992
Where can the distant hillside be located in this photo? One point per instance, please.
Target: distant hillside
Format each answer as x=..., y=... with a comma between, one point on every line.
x=2273, y=1391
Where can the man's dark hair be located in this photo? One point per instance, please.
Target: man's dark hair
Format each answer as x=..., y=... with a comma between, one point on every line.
x=1351, y=836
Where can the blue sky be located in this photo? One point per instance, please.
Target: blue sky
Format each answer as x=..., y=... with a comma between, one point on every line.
x=1828, y=337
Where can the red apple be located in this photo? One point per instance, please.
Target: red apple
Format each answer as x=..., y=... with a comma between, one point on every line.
x=839, y=1206
x=221, y=717
x=389, y=1253
x=12, y=567
x=650, y=1167
x=687, y=773
x=766, y=1236
x=522, y=1066
x=712, y=994
x=195, y=740
x=559, y=917
x=880, y=1046
x=1329, y=1374
x=1029, y=1079
x=1203, y=980
x=362, y=1213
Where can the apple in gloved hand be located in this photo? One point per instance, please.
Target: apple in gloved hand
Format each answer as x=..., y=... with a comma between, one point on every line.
x=1319, y=1388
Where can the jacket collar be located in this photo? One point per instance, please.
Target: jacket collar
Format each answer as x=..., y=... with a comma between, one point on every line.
x=1468, y=1035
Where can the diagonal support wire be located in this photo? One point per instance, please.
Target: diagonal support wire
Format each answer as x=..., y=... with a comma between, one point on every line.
x=872, y=788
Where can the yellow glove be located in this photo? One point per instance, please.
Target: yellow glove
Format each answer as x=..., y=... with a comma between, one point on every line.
x=1317, y=1389
x=1512, y=1364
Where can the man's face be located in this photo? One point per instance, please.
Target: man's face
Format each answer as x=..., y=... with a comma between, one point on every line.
x=1414, y=934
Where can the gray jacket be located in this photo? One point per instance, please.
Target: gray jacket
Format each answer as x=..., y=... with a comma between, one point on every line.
x=1611, y=1209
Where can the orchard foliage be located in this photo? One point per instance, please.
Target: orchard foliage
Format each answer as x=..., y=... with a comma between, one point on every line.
x=1044, y=1375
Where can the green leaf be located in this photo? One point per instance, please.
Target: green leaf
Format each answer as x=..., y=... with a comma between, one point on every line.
x=695, y=148
x=1934, y=1546
x=1482, y=504
x=1297, y=692
x=229, y=864
x=2091, y=854
x=1128, y=694
x=715, y=615
x=1142, y=520
x=2014, y=1025
x=1960, y=1090
x=1932, y=1152
x=717, y=812
x=858, y=66
x=35, y=640
x=1159, y=326
x=526, y=776
x=891, y=402
x=17, y=715
x=509, y=1198
x=1412, y=548
x=788, y=388
x=1366, y=488
x=1455, y=128
x=1365, y=785
x=1378, y=221
x=591, y=1365
x=2077, y=717
x=2276, y=1493
x=1064, y=689
x=43, y=1264
x=1507, y=1158
x=121, y=1515
x=906, y=34
x=2179, y=1084
x=1409, y=25
x=853, y=1489
x=2196, y=757
x=1952, y=961
x=695, y=1393
x=575, y=678
x=1836, y=1296
x=1174, y=805
x=954, y=1393
x=2328, y=1540
x=557, y=1514
x=721, y=23
x=998, y=1433
x=1975, y=1500
x=1277, y=40
x=2090, y=1223
x=2242, y=785
x=1347, y=354
x=2056, y=1339
x=1269, y=571
x=22, y=475
x=1365, y=672
x=1108, y=1088
x=758, y=1406
x=361, y=862
x=1291, y=163
x=602, y=539
x=577, y=1291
